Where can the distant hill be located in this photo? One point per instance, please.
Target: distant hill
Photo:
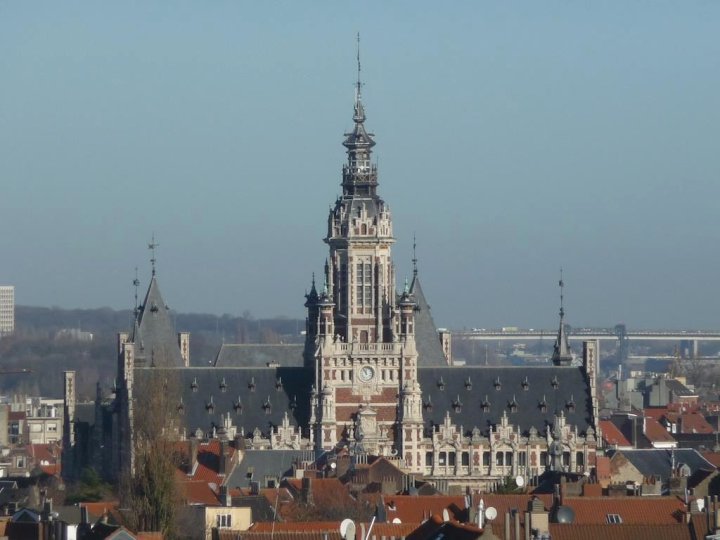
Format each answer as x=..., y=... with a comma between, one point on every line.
x=52, y=340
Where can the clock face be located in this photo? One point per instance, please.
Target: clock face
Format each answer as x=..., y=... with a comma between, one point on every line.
x=366, y=373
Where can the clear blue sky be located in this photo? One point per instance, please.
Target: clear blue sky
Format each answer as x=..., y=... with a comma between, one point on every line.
x=512, y=137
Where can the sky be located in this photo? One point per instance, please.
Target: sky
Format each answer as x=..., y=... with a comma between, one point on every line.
x=513, y=139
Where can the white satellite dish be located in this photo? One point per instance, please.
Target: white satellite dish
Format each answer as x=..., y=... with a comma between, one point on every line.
x=333, y=465
x=446, y=515
x=347, y=529
x=490, y=513
x=396, y=520
x=520, y=481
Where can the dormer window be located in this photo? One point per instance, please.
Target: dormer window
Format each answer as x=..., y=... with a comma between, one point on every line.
x=223, y=385
x=570, y=405
x=278, y=384
x=485, y=405
x=497, y=384
x=210, y=406
x=293, y=403
x=441, y=384
x=542, y=405
x=238, y=406
x=554, y=382
x=428, y=405
x=194, y=385
x=457, y=405
x=267, y=406
x=251, y=384
x=468, y=384
x=154, y=308
x=513, y=405
x=181, y=406
x=525, y=384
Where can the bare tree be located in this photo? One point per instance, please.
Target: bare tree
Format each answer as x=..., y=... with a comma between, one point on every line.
x=150, y=493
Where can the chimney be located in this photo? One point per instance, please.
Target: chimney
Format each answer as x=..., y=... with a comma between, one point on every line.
x=225, y=497
x=306, y=492
x=194, y=443
x=222, y=465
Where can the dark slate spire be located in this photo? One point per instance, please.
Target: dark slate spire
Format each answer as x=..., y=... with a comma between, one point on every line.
x=427, y=340
x=359, y=175
x=562, y=356
x=154, y=332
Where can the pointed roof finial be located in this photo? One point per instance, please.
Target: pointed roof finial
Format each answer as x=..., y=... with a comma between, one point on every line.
x=136, y=284
x=561, y=283
x=414, y=259
x=359, y=83
x=151, y=246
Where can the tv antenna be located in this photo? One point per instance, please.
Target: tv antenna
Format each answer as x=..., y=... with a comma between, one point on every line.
x=152, y=246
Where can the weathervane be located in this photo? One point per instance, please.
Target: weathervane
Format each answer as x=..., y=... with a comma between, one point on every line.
x=359, y=84
x=414, y=259
x=136, y=284
x=562, y=285
x=151, y=246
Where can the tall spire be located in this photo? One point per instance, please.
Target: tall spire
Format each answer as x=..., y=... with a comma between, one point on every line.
x=359, y=175
x=562, y=356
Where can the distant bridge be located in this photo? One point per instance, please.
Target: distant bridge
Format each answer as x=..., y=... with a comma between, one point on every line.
x=619, y=333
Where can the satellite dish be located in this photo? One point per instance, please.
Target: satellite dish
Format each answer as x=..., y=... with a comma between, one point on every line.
x=490, y=513
x=520, y=481
x=446, y=515
x=333, y=465
x=565, y=514
x=396, y=520
x=347, y=529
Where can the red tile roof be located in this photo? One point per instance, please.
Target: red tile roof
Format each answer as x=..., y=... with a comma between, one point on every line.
x=655, y=432
x=411, y=509
x=227, y=534
x=199, y=492
x=677, y=531
x=632, y=510
x=694, y=423
x=612, y=435
x=712, y=457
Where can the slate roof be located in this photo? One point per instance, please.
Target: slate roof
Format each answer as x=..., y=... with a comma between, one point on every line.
x=154, y=334
x=679, y=389
x=558, y=386
x=259, y=355
x=262, y=463
x=208, y=394
x=656, y=461
x=430, y=351
x=85, y=412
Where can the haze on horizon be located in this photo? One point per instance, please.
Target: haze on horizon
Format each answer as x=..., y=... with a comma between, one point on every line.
x=511, y=139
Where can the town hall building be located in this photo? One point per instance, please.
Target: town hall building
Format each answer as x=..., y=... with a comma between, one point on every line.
x=374, y=376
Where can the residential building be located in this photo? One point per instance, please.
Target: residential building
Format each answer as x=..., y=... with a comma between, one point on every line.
x=7, y=309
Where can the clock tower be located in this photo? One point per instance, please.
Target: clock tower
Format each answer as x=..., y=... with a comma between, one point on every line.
x=360, y=335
